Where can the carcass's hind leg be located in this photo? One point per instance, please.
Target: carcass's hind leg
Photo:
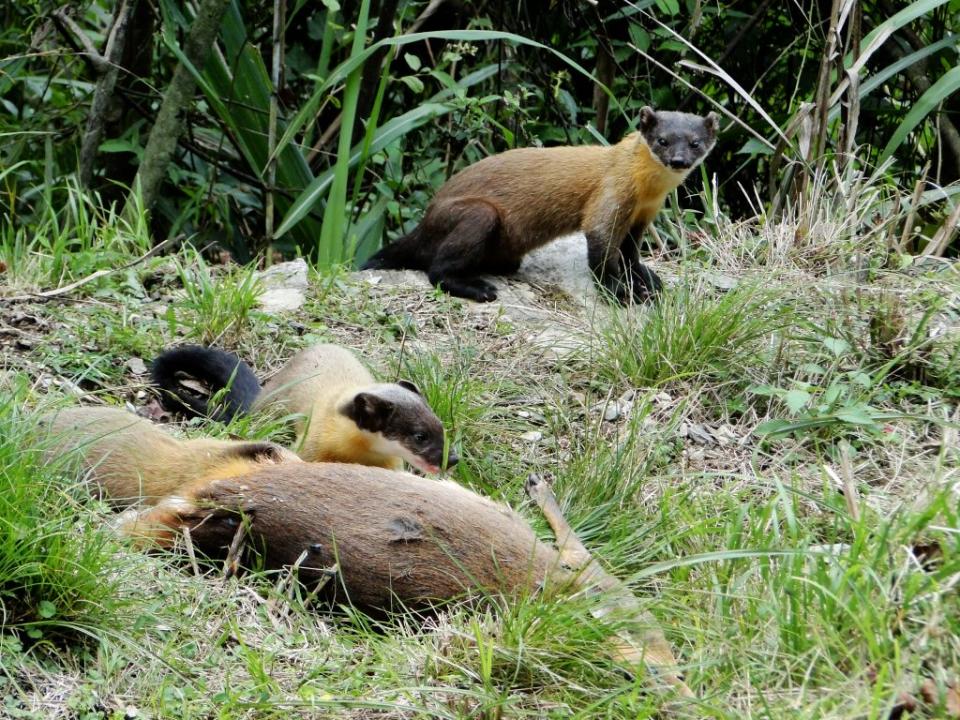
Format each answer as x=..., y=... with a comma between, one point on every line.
x=651, y=647
x=157, y=526
x=573, y=554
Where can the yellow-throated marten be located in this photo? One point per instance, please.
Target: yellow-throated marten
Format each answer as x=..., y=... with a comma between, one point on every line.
x=131, y=460
x=488, y=216
x=343, y=414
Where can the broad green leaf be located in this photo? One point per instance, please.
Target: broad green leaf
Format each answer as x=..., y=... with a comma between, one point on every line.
x=860, y=414
x=943, y=88
x=796, y=400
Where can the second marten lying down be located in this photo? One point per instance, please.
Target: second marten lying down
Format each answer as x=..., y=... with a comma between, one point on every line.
x=130, y=460
x=342, y=413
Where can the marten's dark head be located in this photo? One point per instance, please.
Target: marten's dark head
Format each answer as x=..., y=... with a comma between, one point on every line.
x=679, y=141
x=402, y=422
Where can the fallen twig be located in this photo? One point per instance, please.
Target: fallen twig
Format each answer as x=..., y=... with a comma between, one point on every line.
x=49, y=294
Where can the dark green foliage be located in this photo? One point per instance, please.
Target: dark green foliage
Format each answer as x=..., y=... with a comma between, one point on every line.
x=410, y=112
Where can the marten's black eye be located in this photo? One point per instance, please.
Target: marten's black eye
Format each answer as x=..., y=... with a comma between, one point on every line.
x=695, y=144
x=419, y=437
x=662, y=142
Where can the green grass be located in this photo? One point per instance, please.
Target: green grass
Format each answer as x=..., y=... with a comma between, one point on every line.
x=59, y=573
x=693, y=332
x=786, y=593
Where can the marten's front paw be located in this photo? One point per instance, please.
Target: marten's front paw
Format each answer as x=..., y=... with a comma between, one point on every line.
x=470, y=288
x=645, y=283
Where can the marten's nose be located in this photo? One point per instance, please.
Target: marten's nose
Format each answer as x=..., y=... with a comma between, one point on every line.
x=452, y=458
x=678, y=163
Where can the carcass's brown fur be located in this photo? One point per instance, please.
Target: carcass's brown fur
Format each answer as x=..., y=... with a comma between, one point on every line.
x=394, y=535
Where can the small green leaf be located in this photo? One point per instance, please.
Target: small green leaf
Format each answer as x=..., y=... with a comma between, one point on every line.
x=764, y=390
x=669, y=7
x=831, y=395
x=837, y=346
x=413, y=62
x=413, y=82
x=796, y=400
x=639, y=37
x=755, y=147
x=46, y=609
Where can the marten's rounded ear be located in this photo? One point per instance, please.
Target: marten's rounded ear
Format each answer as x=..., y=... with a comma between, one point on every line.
x=712, y=121
x=407, y=385
x=370, y=412
x=257, y=451
x=648, y=118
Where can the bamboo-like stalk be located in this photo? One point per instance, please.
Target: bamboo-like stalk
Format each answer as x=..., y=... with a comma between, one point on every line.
x=276, y=74
x=332, y=245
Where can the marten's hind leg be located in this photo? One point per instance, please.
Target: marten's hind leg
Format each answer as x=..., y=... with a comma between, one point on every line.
x=157, y=526
x=464, y=252
x=212, y=525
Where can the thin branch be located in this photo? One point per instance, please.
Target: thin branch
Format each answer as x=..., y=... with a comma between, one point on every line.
x=49, y=294
x=279, y=15
x=70, y=29
x=103, y=94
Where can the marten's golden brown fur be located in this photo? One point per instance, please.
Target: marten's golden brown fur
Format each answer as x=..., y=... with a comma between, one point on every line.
x=488, y=216
x=132, y=460
x=342, y=413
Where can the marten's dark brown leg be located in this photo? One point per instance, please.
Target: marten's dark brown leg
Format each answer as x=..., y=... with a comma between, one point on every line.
x=644, y=282
x=464, y=252
x=605, y=264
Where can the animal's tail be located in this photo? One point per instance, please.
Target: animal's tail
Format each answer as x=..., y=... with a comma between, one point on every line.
x=403, y=253
x=217, y=370
x=645, y=643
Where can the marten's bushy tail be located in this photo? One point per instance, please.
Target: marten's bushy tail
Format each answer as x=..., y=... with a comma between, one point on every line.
x=216, y=369
x=402, y=254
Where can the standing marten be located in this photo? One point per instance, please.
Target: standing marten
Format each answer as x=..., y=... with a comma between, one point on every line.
x=487, y=217
x=343, y=414
x=398, y=540
x=131, y=460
